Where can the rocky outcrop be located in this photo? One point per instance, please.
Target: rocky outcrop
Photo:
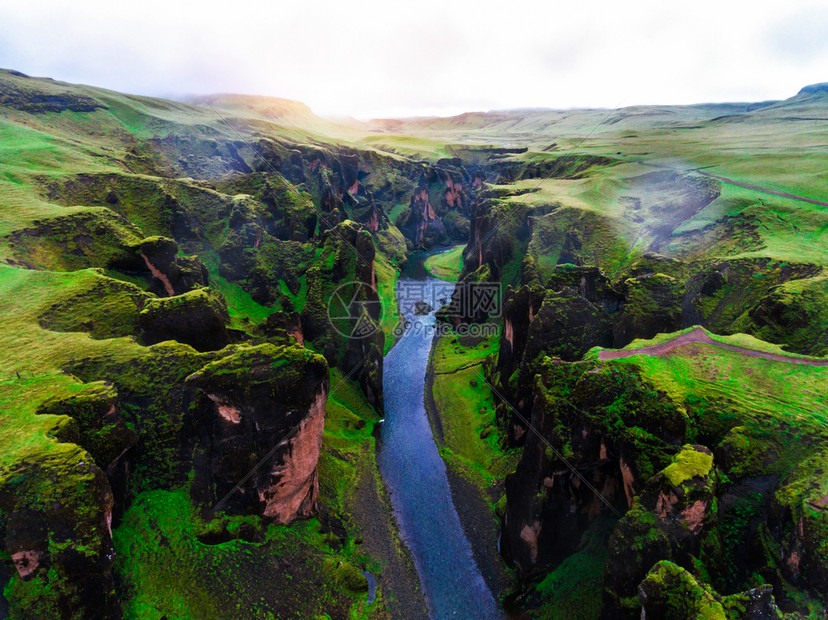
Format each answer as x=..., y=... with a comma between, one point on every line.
x=576, y=314
x=572, y=314
x=424, y=228
x=669, y=521
x=792, y=313
x=262, y=402
x=652, y=305
x=798, y=523
x=284, y=326
x=746, y=516
x=519, y=309
x=349, y=335
x=172, y=275
x=549, y=499
x=718, y=295
x=96, y=423
x=196, y=318
x=670, y=591
x=365, y=186
x=58, y=514
x=177, y=417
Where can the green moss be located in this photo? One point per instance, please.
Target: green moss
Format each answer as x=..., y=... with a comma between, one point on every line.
x=679, y=595
x=108, y=308
x=97, y=425
x=165, y=569
x=688, y=464
x=574, y=589
x=345, y=575
x=76, y=239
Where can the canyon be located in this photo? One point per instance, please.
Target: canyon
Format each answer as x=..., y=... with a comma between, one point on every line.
x=188, y=433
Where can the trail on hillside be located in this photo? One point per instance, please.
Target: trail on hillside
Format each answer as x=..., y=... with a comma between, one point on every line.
x=699, y=336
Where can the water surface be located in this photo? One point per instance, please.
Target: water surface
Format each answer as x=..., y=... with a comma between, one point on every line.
x=415, y=474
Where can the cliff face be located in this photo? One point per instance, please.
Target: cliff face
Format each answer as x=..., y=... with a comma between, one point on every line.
x=620, y=434
x=147, y=378
x=261, y=400
x=727, y=512
x=58, y=518
x=168, y=417
x=549, y=506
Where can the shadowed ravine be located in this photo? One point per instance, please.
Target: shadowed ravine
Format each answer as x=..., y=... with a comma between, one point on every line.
x=416, y=476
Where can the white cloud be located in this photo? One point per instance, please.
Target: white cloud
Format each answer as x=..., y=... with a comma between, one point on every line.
x=380, y=58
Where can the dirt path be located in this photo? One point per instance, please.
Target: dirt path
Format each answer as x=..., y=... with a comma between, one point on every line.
x=699, y=336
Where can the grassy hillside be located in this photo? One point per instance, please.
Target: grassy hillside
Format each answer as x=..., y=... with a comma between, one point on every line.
x=114, y=205
x=151, y=247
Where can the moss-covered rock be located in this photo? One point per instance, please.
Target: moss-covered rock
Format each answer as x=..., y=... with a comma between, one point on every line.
x=108, y=308
x=257, y=402
x=756, y=295
x=567, y=326
x=793, y=313
x=196, y=318
x=613, y=428
x=345, y=575
x=669, y=591
x=170, y=274
x=57, y=509
x=78, y=239
x=652, y=305
x=667, y=522
x=798, y=525
x=349, y=335
x=102, y=431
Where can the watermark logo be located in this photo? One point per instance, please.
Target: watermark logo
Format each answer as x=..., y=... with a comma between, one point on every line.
x=473, y=330
x=354, y=310
x=460, y=301
x=468, y=306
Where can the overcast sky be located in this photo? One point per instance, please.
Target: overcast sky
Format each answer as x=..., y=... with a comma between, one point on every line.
x=386, y=58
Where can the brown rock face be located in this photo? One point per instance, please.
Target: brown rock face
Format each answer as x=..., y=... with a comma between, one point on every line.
x=27, y=561
x=58, y=508
x=666, y=522
x=425, y=226
x=264, y=402
x=549, y=506
x=170, y=274
x=294, y=484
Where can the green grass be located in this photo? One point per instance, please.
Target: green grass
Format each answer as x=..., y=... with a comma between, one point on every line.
x=241, y=306
x=781, y=404
x=35, y=371
x=464, y=404
x=166, y=571
x=387, y=275
x=745, y=341
x=446, y=265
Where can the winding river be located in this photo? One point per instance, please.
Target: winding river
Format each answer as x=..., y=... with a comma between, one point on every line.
x=415, y=474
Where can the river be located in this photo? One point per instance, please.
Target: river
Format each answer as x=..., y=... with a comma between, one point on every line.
x=415, y=474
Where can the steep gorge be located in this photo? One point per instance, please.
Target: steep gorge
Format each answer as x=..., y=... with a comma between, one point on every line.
x=189, y=430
